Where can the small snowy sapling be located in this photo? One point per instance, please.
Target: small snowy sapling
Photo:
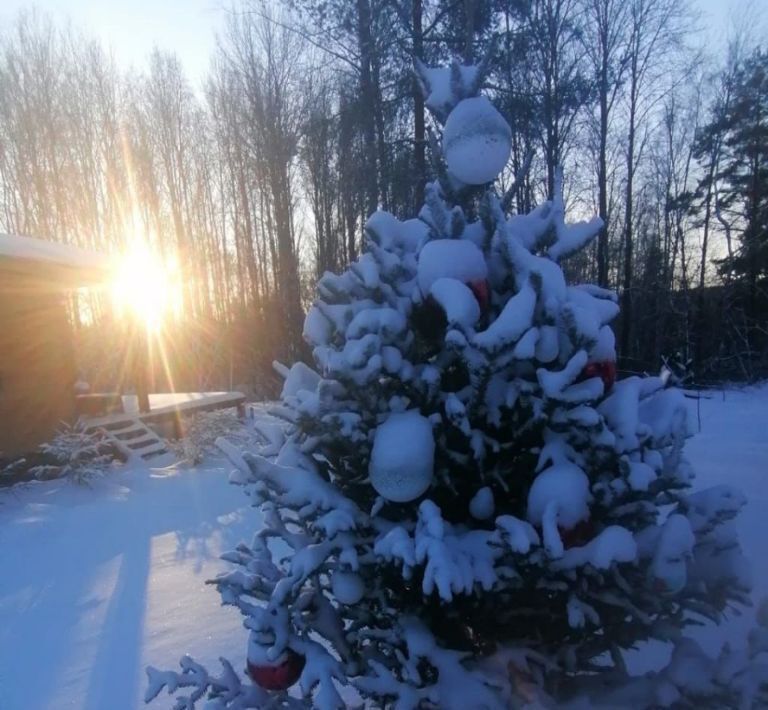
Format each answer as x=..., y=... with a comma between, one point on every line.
x=76, y=454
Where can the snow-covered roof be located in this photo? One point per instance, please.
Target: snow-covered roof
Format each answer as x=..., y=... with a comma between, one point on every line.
x=30, y=249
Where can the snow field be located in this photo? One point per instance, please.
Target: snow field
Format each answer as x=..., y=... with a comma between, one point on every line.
x=96, y=583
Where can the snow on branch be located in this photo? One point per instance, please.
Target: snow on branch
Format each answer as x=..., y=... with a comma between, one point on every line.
x=569, y=238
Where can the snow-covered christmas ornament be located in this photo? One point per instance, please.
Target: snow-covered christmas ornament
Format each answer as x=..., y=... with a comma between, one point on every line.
x=347, y=587
x=482, y=292
x=457, y=259
x=452, y=276
x=403, y=457
x=578, y=535
x=457, y=301
x=564, y=486
x=280, y=674
x=558, y=501
x=481, y=506
x=477, y=141
x=605, y=370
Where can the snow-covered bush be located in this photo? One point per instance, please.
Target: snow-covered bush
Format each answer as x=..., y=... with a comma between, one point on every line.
x=679, y=369
x=202, y=429
x=76, y=454
x=469, y=511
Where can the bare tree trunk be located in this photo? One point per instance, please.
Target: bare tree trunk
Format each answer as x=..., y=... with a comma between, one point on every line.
x=368, y=95
x=626, y=304
x=419, y=133
x=602, y=181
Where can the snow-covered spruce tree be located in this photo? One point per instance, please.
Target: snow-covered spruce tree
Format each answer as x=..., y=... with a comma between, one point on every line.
x=468, y=512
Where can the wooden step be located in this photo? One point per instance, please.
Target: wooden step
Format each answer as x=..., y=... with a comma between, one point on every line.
x=132, y=427
x=130, y=435
x=152, y=450
x=134, y=438
x=120, y=426
x=145, y=440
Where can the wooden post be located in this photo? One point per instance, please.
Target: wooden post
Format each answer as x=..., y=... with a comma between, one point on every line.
x=178, y=428
x=142, y=374
x=138, y=348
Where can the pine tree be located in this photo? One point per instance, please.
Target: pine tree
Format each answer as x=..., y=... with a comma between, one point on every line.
x=468, y=511
x=733, y=193
x=745, y=170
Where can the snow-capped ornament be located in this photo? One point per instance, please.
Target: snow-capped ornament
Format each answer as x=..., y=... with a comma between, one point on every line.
x=458, y=259
x=403, y=457
x=672, y=583
x=565, y=486
x=482, y=292
x=447, y=269
x=578, y=535
x=276, y=675
x=347, y=587
x=481, y=506
x=605, y=370
x=458, y=301
x=477, y=141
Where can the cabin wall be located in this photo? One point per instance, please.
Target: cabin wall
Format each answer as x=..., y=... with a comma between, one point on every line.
x=37, y=367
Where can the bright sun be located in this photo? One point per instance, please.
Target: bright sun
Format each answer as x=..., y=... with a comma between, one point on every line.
x=146, y=288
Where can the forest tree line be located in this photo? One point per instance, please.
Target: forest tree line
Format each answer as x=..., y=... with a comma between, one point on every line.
x=311, y=117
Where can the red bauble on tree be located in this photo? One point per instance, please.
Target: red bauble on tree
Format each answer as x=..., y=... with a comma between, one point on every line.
x=281, y=674
x=605, y=370
x=482, y=293
x=577, y=536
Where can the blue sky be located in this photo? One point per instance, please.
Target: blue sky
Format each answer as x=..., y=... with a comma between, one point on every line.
x=133, y=27
x=188, y=27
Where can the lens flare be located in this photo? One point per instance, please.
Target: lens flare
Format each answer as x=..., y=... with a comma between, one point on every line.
x=147, y=288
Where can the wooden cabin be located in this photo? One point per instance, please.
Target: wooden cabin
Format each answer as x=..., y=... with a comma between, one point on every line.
x=38, y=370
x=38, y=363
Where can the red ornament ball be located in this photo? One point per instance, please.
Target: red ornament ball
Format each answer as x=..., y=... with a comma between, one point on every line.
x=605, y=370
x=577, y=536
x=280, y=675
x=482, y=293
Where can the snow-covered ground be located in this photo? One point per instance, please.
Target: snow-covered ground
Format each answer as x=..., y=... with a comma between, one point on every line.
x=733, y=448
x=96, y=583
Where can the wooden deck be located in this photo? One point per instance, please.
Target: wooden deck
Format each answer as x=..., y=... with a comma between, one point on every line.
x=168, y=407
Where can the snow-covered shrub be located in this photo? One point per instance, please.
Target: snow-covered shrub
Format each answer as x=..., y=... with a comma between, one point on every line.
x=202, y=429
x=679, y=369
x=13, y=470
x=75, y=454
